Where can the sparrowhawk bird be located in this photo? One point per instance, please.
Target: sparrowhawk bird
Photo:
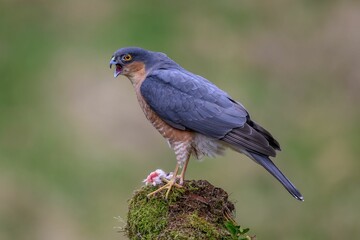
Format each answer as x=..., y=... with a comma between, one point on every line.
x=194, y=115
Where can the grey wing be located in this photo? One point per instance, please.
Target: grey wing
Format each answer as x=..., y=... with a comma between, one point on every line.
x=187, y=101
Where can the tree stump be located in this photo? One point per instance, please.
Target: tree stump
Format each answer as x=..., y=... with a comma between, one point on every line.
x=197, y=211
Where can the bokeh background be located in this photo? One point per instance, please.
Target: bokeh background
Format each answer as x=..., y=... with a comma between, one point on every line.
x=74, y=143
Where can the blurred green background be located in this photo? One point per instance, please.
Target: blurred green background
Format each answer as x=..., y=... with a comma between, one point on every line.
x=74, y=143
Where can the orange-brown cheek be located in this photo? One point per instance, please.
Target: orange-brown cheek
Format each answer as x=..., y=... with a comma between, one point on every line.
x=135, y=72
x=134, y=67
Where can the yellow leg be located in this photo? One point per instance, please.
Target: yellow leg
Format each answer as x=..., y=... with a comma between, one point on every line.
x=182, y=175
x=168, y=185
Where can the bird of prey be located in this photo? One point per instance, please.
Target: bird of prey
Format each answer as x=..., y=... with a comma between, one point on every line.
x=194, y=115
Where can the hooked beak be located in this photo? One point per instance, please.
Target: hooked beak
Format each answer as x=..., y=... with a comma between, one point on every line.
x=118, y=68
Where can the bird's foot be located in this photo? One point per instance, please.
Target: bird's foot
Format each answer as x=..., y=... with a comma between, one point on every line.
x=169, y=185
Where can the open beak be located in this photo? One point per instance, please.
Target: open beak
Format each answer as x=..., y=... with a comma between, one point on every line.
x=118, y=68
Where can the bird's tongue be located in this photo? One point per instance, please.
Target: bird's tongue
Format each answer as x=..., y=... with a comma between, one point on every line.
x=118, y=70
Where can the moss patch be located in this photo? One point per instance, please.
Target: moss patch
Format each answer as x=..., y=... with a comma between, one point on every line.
x=197, y=211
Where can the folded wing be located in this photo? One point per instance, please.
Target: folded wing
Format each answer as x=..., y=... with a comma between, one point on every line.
x=187, y=101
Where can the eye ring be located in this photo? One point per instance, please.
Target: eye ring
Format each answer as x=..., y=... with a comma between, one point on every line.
x=127, y=57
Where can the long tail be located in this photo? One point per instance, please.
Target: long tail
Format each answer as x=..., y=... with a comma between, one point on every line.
x=271, y=168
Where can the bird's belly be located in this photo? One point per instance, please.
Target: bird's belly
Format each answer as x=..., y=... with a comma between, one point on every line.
x=179, y=140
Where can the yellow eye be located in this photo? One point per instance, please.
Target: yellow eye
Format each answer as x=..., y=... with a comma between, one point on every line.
x=127, y=58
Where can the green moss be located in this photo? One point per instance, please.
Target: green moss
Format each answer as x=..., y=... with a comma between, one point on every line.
x=196, y=211
x=192, y=186
x=192, y=227
x=147, y=216
x=210, y=231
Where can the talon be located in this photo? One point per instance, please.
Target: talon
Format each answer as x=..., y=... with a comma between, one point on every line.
x=170, y=183
x=175, y=184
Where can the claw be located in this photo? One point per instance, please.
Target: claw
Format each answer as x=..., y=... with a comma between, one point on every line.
x=169, y=185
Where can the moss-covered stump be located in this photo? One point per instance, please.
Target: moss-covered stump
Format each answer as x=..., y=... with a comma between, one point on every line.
x=197, y=211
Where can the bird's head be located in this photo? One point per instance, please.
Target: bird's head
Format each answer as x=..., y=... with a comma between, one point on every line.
x=129, y=60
